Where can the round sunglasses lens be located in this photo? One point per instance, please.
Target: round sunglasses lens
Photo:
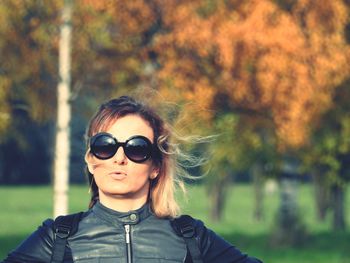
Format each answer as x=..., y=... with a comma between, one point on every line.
x=138, y=149
x=103, y=147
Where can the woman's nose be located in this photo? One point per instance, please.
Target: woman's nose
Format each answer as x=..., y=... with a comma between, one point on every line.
x=120, y=157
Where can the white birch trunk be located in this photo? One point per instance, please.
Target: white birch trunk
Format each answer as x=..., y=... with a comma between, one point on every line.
x=62, y=143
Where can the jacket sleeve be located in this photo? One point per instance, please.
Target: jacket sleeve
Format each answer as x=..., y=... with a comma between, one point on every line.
x=215, y=249
x=36, y=248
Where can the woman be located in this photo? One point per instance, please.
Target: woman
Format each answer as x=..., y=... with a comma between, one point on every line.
x=131, y=168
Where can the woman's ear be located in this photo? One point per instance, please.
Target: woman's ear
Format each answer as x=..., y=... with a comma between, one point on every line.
x=87, y=159
x=154, y=173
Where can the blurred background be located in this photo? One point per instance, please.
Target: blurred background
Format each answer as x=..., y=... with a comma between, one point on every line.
x=270, y=78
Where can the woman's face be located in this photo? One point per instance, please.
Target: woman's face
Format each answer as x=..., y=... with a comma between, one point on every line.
x=118, y=176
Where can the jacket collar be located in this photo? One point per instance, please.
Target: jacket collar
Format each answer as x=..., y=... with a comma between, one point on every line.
x=132, y=217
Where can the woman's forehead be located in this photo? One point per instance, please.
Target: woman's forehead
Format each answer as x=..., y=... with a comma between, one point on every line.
x=122, y=128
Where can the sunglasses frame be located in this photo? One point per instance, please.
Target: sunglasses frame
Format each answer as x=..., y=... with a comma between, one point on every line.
x=121, y=144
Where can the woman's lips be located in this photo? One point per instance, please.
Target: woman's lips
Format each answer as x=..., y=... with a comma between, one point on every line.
x=117, y=175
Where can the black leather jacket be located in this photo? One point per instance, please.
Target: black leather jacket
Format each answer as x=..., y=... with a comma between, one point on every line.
x=102, y=236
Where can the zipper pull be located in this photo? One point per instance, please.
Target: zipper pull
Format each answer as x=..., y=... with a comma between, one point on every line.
x=128, y=244
x=127, y=234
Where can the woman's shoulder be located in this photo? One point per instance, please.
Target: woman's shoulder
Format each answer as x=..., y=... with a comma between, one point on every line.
x=44, y=233
x=36, y=246
x=212, y=246
x=186, y=224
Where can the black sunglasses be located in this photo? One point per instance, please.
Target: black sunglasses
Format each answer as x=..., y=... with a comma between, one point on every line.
x=137, y=148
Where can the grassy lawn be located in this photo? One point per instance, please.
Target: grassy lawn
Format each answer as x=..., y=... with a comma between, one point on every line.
x=26, y=207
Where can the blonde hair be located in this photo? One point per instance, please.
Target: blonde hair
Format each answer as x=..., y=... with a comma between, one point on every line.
x=171, y=172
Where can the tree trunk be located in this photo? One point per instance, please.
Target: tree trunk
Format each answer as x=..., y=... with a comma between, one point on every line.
x=62, y=143
x=258, y=182
x=217, y=196
x=289, y=229
x=338, y=198
x=288, y=204
x=322, y=196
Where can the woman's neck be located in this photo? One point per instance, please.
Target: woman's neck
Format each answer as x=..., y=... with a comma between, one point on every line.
x=122, y=203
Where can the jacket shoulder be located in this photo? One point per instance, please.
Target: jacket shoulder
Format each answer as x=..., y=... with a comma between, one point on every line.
x=35, y=248
x=213, y=247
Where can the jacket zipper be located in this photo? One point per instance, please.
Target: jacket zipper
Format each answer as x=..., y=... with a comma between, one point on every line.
x=128, y=244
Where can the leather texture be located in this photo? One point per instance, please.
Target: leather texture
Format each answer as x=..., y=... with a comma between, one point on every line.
x=101, y=237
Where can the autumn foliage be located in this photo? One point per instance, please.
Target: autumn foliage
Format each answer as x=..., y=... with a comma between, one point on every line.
x=264, y=58
x=282, y=59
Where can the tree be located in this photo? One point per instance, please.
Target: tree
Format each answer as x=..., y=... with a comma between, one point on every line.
x=329, y=156
x=289, y=228
x=27, y=79
x=62, y=148
x=28, y=37
x=242, y=49
x=106, y=53
x=224, y=158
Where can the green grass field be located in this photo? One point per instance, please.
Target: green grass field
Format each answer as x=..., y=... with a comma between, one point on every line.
x=26, y=207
